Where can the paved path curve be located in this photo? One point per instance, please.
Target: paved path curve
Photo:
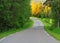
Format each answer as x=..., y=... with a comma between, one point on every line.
x=35, y=34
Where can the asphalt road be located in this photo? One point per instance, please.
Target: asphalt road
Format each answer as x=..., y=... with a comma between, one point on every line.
x=35, y=34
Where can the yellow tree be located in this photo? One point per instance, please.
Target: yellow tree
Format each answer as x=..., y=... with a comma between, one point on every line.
x=36, y=8
x=33, y=8
x=47, y=9
x=39, y=7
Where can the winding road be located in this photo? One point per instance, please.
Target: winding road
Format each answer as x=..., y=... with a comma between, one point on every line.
x=35, y=34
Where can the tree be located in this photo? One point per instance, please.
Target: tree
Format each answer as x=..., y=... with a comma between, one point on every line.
x=55, y=5
x=56, y=9
x=13, y=14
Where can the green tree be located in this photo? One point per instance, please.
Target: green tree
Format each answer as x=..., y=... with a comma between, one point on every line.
x=13, y=14
x=55, y=5
x=56, y=12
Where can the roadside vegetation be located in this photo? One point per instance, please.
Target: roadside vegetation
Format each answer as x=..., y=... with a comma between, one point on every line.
x=14, y=16
x=53, y=31
x=14, y=30
x=49, y=14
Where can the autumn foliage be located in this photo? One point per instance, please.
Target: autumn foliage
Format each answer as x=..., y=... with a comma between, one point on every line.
x=37, y=8
x=47, y=9
x=33, y=8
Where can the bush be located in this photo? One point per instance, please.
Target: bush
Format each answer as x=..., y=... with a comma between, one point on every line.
x=13, y=14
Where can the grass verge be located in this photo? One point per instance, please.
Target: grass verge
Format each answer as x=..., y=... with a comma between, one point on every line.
x=55, y=32
x=6, y=33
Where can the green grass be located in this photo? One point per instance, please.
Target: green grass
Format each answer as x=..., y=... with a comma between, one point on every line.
x=6, y=33
x=55, y=32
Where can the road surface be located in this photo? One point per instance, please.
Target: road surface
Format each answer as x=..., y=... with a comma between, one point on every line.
x=35, y=34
